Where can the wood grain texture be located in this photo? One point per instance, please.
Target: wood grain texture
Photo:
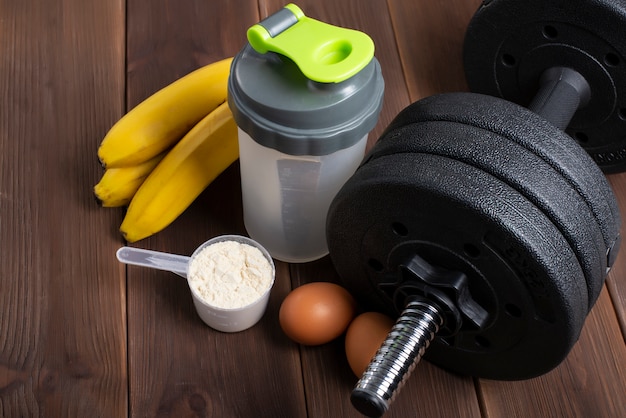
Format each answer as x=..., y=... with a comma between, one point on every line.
x=430, y=39
x=616, y=282
x=82, y=335
x=63, y=321
x=586, y=384
x=179, y=366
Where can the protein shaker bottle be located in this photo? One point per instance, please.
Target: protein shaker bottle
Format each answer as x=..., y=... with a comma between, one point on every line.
x=305, y=95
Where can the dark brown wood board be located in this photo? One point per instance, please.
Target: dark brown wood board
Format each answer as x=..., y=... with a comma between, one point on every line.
x=180, y=366
x=82, y=335
x=63, y=319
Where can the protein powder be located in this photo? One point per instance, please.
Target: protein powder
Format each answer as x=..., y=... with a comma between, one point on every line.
x=230, y=274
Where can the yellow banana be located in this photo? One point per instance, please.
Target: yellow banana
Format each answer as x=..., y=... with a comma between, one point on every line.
x=117, y=186
x=192, y=164
x=163, y=118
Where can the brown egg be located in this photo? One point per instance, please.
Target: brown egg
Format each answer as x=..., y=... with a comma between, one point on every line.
x=316, y=313
x=364, y=336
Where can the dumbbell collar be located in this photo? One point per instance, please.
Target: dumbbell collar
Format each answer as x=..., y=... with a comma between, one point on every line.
x=447, y=290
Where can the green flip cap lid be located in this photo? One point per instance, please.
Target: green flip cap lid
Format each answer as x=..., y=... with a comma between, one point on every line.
x=305, y=87
x=323, y=52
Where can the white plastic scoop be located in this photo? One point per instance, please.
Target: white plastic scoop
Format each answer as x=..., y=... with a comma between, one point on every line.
x=154, y=259
x=221, y=319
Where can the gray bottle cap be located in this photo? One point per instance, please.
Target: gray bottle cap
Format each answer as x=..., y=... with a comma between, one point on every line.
x=280, y=108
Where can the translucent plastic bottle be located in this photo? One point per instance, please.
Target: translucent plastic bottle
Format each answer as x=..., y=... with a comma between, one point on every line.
x=305, y=95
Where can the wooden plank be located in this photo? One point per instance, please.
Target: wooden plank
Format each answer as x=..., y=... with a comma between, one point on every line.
x=67, y=305
x=177, y=365
x=62, y=322
x=430, y=37
x=616, y=282
x=180, y=367
x=589, y=383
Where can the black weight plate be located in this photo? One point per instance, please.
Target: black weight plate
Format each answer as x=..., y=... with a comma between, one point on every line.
x=527, y=129
x=520, y=169
x=510, y=43
x=520, y=267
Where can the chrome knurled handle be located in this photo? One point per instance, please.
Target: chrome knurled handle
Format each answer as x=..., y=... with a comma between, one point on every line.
x=394, y=361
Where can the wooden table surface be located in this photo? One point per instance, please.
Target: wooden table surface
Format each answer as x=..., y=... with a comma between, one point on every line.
x=83, y=336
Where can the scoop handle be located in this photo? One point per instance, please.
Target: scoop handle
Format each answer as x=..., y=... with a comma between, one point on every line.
x=154, y=259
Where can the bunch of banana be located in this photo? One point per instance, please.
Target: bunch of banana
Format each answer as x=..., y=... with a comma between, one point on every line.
x=164, y=152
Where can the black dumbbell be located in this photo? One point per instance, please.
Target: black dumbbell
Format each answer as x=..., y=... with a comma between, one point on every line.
x=481, y=224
